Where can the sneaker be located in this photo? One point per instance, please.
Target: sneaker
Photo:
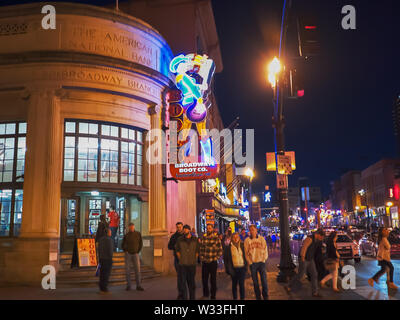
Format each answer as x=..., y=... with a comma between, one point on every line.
x=204, y=298
x=391, y=285
x=139, y=289
x=371, y=282
x=128, y=288
x=288, y=289
x=316, y=295
x=322, y=285
x=336, y=290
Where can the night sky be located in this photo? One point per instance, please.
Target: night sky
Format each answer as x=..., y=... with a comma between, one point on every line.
x=345, y=119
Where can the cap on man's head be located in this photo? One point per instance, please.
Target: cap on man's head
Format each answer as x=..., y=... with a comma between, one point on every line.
x=186, y=226
x=178, y=223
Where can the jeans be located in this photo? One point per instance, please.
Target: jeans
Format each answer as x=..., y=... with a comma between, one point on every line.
x=238, y=278
x=307, y=266
x=179, y=279
x=113, y=235
x=384, y=265
x=134, y=258
x=332, y=275
x=209, y=270
x=105, y=271
x=255, y=269
x=188, y=281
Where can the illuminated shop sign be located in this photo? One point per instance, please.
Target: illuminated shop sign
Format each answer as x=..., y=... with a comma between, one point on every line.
x=188, y=105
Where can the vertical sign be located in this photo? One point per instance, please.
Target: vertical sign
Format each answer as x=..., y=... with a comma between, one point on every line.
x=281, y=181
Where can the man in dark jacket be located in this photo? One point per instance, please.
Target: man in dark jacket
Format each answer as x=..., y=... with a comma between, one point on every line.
x=101, y=228
x=187, y=251
x=106, y=250
x=171, y=246
x=132, y=244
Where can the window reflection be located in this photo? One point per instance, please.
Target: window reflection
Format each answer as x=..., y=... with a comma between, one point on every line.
x=5, y=212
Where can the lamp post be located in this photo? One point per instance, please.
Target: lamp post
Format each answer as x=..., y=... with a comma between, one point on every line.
x=364, y=194
x=250, y=174
x=286, y=265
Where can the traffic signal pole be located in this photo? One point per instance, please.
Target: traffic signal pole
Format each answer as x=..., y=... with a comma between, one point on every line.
x=286, y=265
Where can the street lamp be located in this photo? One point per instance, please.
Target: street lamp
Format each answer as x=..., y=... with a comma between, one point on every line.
x=364, y=194
x=389, y=204
x=250, y=174
x=286, y=265
x=254, y=199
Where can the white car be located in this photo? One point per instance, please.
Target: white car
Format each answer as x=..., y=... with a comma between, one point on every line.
x=348, y=248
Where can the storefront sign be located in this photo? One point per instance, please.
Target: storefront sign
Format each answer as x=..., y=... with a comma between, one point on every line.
x=210, y=217
x=271, y=163
x=87, y=253
x=193, y=171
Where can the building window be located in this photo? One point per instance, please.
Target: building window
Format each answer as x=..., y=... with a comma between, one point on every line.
x=102, y=152
x=12, y=168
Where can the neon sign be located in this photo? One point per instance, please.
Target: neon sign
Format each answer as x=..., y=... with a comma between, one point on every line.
x=267, y=197
x=193, y=77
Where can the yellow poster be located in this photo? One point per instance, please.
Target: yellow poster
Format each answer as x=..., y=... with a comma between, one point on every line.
x=87, y=253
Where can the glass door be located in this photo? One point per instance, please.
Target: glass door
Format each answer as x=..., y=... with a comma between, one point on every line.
x=69, y=223
x=121, y=210
x=94, y=215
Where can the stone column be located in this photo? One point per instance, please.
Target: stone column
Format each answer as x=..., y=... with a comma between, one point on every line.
x=38, y=242
x=157, y=197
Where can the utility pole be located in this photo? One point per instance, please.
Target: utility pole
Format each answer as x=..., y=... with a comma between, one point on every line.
x=286, y=265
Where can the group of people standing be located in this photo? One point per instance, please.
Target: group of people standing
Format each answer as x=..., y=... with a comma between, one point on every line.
x=131, y=244
x=238, y=256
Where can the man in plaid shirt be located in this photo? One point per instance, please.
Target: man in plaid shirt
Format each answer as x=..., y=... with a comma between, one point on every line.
x=210, y=251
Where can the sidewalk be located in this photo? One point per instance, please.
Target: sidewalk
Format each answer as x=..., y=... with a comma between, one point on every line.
x=164, y=288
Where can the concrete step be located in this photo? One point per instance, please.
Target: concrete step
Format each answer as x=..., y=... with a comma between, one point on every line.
x=74, y=274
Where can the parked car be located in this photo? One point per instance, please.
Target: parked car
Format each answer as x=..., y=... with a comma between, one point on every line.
x=369, y=245
x=348, y=248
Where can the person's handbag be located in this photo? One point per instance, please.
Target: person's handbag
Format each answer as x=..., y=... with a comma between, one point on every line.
x=98, y=270
x=330, y=264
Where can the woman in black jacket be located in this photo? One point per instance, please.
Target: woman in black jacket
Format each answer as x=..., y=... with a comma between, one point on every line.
x=332, y=262
x=236, y=264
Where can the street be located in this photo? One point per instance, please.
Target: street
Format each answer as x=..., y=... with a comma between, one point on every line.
x=164, y=288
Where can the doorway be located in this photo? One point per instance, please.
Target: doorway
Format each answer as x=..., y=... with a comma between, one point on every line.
x=70, y=219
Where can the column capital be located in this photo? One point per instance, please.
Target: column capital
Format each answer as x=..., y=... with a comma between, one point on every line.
x=154, y=109
x=43, y=93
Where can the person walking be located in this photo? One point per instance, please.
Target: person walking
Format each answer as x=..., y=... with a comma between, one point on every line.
x=171, y=246
x=269, y=242
x=236, y=265
x=243, y=235
x=187, y=251
x=332, y=262
x=101, y=228
x=132, y=244
x=273, y=240
x=106, y=251
x=210, y=252
x=113, y=224
x=307, y=263
x=384, y=260
x=227, y=237
x=256, y=252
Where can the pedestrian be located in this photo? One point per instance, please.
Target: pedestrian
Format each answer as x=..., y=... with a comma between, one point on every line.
x=319, y=259
x=105, y=259
x=243, y=235
x=194, y=233
x=187, y=251
x=332, y=262
x=256, y=252
x=384, y=260
x=132, y=245
x=227, y=237
x=221, y=260
x=269, y=242
x=307, y=263
x=273, y=239
x=114, y=224
x=101, y=228
x=210, y=252
x=171, y=246
x=236, y=265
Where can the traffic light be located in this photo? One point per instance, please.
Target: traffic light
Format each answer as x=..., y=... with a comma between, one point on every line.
x=296, y=84
x=308, y=36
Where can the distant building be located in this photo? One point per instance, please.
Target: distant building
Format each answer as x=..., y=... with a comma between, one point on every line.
x=396, y=123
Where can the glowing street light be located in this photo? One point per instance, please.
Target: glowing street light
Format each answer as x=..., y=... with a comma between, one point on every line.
x=389, y=204
x=249, y=173
x=254, y=199
x=274, y=68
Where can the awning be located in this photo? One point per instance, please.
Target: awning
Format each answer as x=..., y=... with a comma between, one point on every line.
x=229, y=217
